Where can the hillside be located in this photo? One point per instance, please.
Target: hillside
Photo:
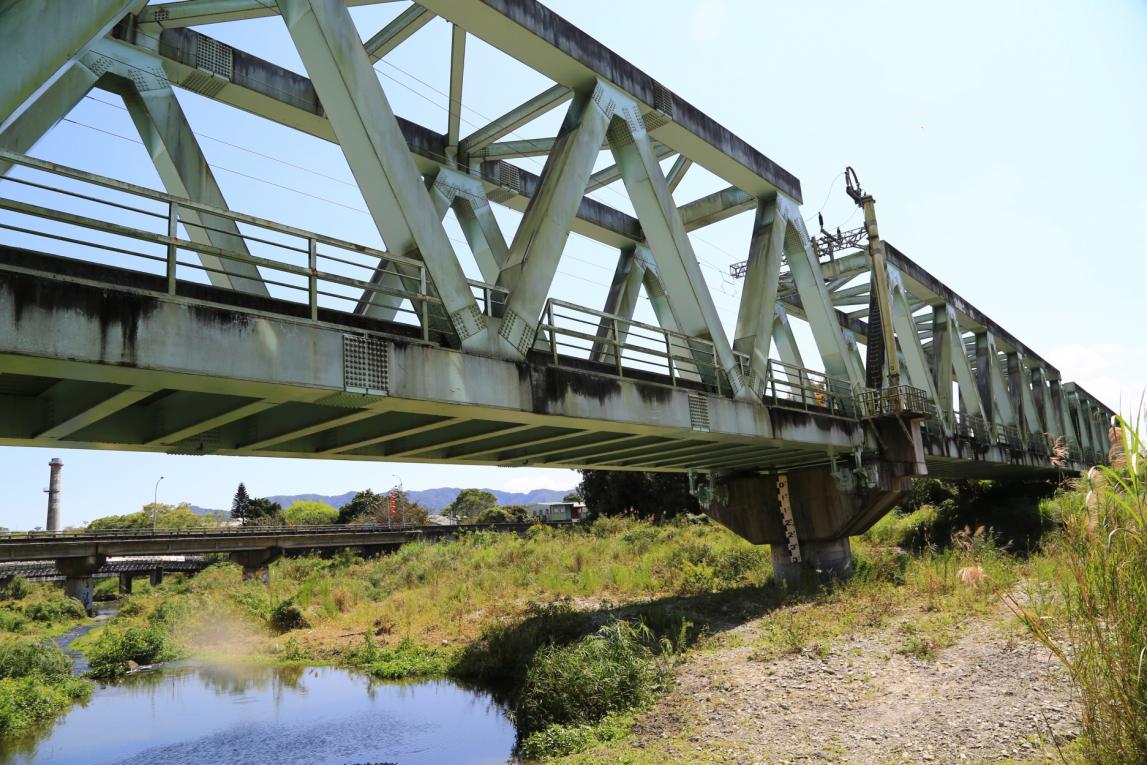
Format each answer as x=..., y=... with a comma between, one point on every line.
x=434, y=500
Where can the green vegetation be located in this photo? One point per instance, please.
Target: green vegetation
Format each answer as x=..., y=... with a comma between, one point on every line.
x=306, y=512
x=109, y=655
x=366, y=507
x=658, y=496
x=36, y=682
x=1097, y=627
x=469, y=504
x=163, y=516
x=579, y=629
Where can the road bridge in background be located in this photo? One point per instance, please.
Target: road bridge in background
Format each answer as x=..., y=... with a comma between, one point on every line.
x=164, y=321
x=80, y=556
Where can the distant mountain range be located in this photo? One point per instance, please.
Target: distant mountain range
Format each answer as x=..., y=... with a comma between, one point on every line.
x=434, y=500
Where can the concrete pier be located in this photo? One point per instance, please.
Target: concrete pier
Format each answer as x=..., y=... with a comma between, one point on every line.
x=78, y=580
x=256, y=563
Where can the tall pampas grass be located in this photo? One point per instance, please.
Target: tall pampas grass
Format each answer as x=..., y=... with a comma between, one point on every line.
x=1102, y=639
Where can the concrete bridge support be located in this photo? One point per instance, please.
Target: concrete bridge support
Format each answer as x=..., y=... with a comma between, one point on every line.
x=807, y=516
x=256, y=563
x=78, y=581
x=125, y=584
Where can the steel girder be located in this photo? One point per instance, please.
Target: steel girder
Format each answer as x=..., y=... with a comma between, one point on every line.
x=375, y=148
x=644, y=122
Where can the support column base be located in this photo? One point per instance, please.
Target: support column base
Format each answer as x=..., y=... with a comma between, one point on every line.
x=256, y=563
x=82, y=588
x=826, y=561
x=78, y=581
x=125, y=584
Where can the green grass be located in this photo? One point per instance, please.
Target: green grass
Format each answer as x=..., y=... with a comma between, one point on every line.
x=1096, y=621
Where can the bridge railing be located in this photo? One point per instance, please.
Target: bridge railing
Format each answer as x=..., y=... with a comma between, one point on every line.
x=626, y=348
x=129, y=226
x=240, y=531
x=788, y=386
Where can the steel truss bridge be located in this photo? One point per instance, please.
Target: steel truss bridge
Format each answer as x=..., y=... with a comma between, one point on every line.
x=147, y=320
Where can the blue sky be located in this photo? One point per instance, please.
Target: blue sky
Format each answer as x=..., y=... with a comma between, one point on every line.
x=1004, y=143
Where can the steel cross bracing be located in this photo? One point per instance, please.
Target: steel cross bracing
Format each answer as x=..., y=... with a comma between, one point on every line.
x=339, y=350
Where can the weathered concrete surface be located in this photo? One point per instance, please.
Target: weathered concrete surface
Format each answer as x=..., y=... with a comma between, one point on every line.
x=78, y=581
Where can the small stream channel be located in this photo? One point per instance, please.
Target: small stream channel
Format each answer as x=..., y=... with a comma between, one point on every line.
x=194, y=713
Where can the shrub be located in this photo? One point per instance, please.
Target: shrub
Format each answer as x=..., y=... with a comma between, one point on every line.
x=503, y=651
x=406, y=660
x=287, y=616
x=109, y=654
x=43, y=658
x=613, y=670
x=560, y=740
x=55, y=610
x=27, y=701
x=16, y=588
x=11, y=621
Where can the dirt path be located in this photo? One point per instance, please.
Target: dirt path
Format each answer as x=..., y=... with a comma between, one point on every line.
x=985, y=698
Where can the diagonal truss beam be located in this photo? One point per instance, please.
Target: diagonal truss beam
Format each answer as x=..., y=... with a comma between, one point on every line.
x=689, y=297
x=175, y=152
x=396, y=32
x=377, y=153
x=819, y=312
x=908, y=335
x=757, y=314
x=547, y=100
x=189, y=13
x=37, y=39
x=48, y=107
x=537, y=247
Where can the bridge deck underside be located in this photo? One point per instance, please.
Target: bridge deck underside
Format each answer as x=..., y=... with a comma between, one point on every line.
x=214, y=371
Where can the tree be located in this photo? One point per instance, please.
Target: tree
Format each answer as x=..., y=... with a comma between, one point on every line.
x=517, y=513
x=309, y=512
x=574, y=497
x=469, y=504
x=264, y=512
x=364, y=503
x=376, y=509
x=644, y=495
x=494, y=514
x=179, y=516
x=240, y=504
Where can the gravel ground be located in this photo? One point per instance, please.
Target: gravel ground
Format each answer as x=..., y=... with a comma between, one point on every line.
x=985, y=698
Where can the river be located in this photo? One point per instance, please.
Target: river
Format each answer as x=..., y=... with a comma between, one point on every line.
x=193, y=713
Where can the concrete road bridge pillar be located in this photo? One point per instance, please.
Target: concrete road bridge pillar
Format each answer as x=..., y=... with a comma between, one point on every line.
x=256, y=563
x=78, y=581
x=125, y=584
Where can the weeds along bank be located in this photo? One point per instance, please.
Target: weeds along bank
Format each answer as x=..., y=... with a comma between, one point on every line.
x=579, y=630
x=36, y=681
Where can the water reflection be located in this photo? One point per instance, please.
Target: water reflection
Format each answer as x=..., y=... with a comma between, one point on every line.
x=263, y=714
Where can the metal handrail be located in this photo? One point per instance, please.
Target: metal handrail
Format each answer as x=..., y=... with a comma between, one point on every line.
x=793, y=387
x=629, y=346
x=247, y=531
x=412, y=276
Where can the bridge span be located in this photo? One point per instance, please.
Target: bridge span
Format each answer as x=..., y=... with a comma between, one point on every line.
x=147, y=320
x=79, y=556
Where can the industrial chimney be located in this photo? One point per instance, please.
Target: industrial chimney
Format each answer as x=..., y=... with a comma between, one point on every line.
x=53, y=523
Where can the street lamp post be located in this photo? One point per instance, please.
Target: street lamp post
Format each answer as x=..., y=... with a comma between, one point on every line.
x=155, y=505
